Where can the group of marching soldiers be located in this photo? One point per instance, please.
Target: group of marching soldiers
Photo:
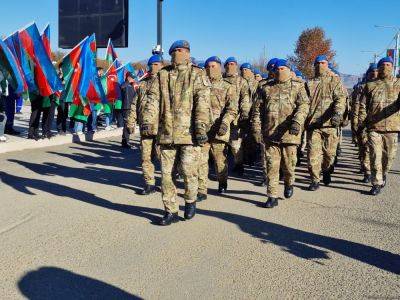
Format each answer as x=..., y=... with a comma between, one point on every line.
x=186, y=111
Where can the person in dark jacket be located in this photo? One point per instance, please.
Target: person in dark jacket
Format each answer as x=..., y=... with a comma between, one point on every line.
x=127, y=95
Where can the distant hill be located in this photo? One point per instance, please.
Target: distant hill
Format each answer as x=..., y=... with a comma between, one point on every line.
x=349, y=80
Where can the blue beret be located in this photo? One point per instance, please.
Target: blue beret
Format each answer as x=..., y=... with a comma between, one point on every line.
x=298, y=73
x=320, y=58
x=385, y=59
x=372, y=67
x=212, y=58
x=229, y=60
x=264, y=75
x=282, y=63
x=201, y=64
x=256, y=71
x=271, y=63
x=154, y=59
x=179, y=44
x=246, y=66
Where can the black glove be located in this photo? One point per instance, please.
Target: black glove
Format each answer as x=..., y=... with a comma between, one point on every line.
x=145, y=130
x=295, y=128
x=201, y=138
x=336, y=120
x=223, y=129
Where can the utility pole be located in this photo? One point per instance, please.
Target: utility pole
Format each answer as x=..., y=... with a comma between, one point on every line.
x=396, y=59
x=158, y=48
x=376, y=55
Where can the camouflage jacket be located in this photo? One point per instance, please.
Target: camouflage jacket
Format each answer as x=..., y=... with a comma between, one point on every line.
x=139, y=103
x=355, y=104
x=278, y=106
x=379, y=105
x=181, y=95
x=327, y=96
x=243, y=95
x=223, y=107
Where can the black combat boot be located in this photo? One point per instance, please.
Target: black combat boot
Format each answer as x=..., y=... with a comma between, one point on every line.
x=271, y=202
x=326, y=177
x=367, y=178
x=148, y=189
x=222, y=187
x=169, y=218
x=313, y=186
x=376, y=189
x=288, y=193
x=190, y=210
x=201, y=197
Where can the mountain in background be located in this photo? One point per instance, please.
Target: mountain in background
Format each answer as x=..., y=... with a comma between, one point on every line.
x=349, y=80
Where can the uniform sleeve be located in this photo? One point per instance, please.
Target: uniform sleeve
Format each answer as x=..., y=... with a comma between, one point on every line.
x=244, y=99
x=362, y=111
x=355, y=109
x=132, y=117
x=302, y=106
x=256, y=116
x=231, y=106
x=201, y=99
x=339, y=97
x=152, y=106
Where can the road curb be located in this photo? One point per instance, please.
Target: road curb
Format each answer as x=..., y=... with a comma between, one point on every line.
x=25, y=144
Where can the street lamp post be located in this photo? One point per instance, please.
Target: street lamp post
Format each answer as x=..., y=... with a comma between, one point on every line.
x=158, y=48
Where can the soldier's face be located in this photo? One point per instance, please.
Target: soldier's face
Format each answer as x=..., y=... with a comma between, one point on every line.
x=180, y=56
x=373, y=75
x=283, y=74
x=258, y=77
x=231, y=68
x=385, y=70
x=321, y=67
x=213, y=69
x=247, y=73
x=154, y=68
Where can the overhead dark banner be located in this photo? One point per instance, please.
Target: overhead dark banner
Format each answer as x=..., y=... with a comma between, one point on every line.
x=106, y=18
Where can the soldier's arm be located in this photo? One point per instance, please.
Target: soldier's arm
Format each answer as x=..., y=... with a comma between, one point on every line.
x=302, y=106
x=201, y=102
x=152, y=106
x=132, y=117
x=256, y=116
x=355, y=110
x=339, y=98
x=231, y=107
x=362, y=111
x=244, y=100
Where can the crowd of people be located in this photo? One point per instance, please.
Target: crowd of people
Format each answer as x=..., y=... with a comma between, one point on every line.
x=190, y=114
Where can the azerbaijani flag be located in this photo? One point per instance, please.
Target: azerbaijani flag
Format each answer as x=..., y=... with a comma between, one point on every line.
x=46, y=39
x=111, y=83
x=46, y=77
x=111, y=55
x=123, y=70
x=27, y=68
x=9, y=68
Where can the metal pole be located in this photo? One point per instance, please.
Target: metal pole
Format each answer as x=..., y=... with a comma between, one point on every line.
x=159, y=23
x=397, y=57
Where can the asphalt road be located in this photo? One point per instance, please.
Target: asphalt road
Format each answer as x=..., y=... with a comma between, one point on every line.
x=72, y=227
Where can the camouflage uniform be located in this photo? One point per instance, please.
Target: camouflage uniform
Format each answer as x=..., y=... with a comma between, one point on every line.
x=147, y=143
x=181, y=95
x=279, y=105
x=223, y=109
x=327, y=98
x=361, y=137
x=244, y=105
x=379, y=114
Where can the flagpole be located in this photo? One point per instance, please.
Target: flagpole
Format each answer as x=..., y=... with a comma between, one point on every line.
x=158, y=49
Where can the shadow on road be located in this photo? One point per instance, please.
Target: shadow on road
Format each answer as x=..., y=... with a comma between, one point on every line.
x=57, y=283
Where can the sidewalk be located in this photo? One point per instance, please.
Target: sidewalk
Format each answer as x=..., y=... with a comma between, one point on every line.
x=21, y=142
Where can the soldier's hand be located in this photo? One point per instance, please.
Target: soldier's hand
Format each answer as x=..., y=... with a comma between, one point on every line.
x=131, y=130
x=145, y=130
x=223, y=129
x=295, y=128
x=336, y=120
x=201, y=138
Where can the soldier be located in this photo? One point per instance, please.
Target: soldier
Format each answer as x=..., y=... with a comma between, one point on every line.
x=246, y=71
x=181, y=95
x=223, y=110
x=379, y=114
x=362, y=136
x=257, y=75
x=279, y=119
x=327, y=106
x=244, y=105
x=147, y=143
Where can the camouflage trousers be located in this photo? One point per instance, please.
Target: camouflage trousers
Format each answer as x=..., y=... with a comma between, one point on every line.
x=148, y=148
x=321, y=146
x=277, y=155
x=263, y=160
x=383, y=148
x=220, y=164
x=236, y=143
x=187, y=156
x=363, y=152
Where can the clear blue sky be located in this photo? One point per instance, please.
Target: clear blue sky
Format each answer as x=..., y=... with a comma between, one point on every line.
x=237, y=27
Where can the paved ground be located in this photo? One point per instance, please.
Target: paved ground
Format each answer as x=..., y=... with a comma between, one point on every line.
x=72, y=227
